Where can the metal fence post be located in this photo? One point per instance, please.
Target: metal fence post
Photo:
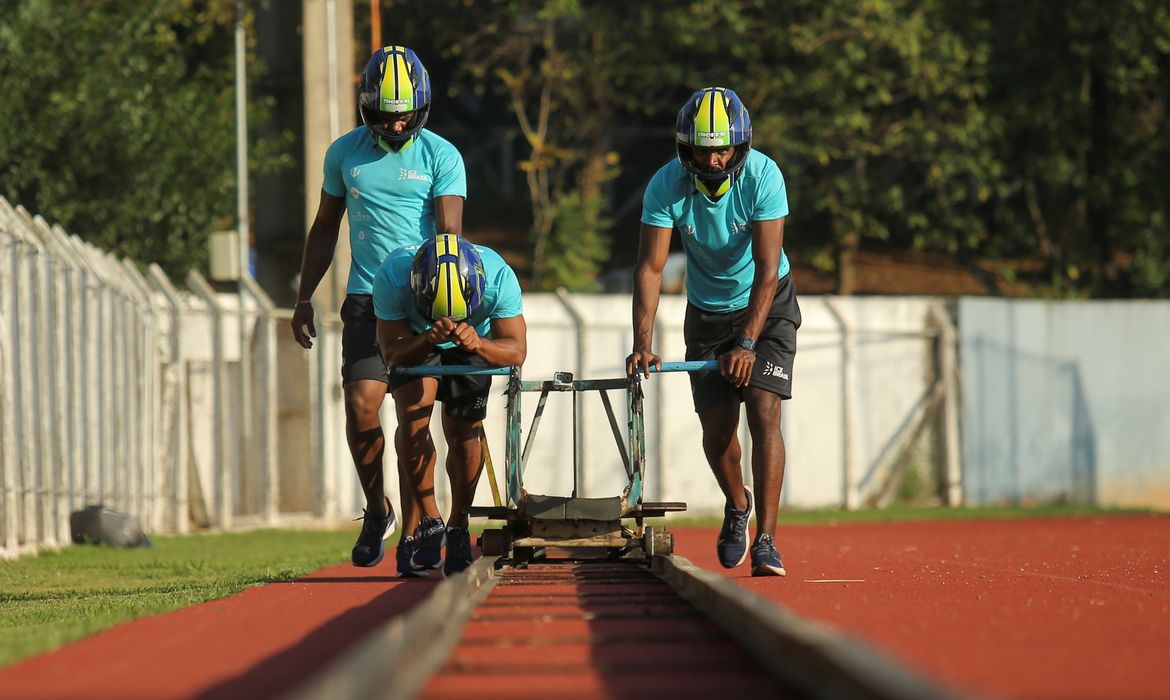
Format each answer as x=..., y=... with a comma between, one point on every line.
x=173, y=404
x=8, y=496
x=146, y=361
x=10, y=405
x=266, y=447
x=222, y=461
x=581, y=443
x=60, y=329
x=850, y=498
x=948, y=363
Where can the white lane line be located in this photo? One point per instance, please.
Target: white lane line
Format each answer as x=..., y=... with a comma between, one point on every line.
x=834, y=580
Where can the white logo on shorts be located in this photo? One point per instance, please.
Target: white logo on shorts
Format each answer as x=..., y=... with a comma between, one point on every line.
x=355, y=172
x=772, y=370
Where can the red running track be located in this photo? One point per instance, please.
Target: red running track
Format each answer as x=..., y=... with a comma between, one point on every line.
x=1035, y=608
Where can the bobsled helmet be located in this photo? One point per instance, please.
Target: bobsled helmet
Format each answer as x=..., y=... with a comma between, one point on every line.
x=394, y=85
x=446, y=278
x=713, y=118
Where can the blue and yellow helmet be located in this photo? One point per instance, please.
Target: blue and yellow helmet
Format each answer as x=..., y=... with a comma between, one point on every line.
x=446, y=278
x=394, y=82
x=713, y=117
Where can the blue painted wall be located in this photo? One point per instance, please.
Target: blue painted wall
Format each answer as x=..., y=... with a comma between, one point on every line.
x=1066, y=401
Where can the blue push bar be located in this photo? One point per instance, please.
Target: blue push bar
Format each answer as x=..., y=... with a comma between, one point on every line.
x=692, y=366
x=474, y=370
x=448, y=370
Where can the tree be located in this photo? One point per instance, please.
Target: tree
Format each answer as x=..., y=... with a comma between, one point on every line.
x=571, y=71
x=118, y=122
x=1082, y=91
x=874, y=110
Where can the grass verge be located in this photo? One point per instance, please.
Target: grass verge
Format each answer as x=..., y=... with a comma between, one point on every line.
x=57, y=597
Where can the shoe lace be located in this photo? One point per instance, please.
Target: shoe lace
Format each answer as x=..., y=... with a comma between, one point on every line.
x=764, y=544
x=369, y=525
x=733, y=523
x=429, y=526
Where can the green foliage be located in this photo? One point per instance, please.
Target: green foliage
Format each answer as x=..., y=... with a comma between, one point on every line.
x=118, y=122
x=576, y=247
x=1081, y=91
x=874, y=114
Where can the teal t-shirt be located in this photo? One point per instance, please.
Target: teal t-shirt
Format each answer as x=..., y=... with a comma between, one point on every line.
x=389, y=197
x=393, y=300
x=717, y=236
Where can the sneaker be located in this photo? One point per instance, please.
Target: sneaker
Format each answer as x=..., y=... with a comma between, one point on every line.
x=430, y=536
x=765, y=558
x=404, y=553
x=458, y=551
x=732, y=546
x=371, y=543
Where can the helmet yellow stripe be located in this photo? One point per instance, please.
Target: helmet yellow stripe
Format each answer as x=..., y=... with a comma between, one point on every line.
x=397, y=90
x=449, y=300
x=712, y=123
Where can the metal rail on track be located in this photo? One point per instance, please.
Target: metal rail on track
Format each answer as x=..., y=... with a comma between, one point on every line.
x=605, y=571
x=805, y=659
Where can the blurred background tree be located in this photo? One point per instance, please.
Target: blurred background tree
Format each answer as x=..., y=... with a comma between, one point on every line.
x=118, y=122
x=1025, y=139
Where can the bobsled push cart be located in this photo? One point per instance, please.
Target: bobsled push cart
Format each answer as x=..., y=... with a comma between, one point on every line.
x=534, y=523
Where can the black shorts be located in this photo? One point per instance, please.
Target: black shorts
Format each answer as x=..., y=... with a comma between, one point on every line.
x=361, y=358
x=709, y=334
x=464, y=397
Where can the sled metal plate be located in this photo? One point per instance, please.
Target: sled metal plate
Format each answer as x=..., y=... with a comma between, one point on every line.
x=567, y=508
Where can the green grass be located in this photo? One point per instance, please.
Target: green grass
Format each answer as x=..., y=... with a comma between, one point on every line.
x=57, y=597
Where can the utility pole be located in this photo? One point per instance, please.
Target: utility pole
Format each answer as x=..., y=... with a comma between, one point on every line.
x=327, y=42
x=242, y=139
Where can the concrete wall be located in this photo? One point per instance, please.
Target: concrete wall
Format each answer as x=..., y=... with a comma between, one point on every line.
x=889, y=358
x=1066, y=400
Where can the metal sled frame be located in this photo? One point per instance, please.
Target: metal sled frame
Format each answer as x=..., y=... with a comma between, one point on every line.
x=534, y=522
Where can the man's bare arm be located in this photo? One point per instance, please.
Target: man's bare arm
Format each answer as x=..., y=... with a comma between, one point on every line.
x=320, y=246
x=449, y=214
x=653, y=249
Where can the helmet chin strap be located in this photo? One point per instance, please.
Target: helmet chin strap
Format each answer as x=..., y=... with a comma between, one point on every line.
x=714, y=188
x=389, y=147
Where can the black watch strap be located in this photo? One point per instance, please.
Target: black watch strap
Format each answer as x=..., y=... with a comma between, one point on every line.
x=746, y=343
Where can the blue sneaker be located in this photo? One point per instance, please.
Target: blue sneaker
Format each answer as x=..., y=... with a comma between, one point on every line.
x=458, y=551
x=765, y=558
x=371, y=543
x=404, y=553
x=732, y=545
x=430, y=536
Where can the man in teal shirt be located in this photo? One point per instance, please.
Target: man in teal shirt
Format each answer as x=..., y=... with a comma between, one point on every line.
x=445, y=302
x=399, y=183
x=728, y=203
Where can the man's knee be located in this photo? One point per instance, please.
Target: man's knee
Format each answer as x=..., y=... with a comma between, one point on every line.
x=719, y=424
x=362, y=402
x=762, y=406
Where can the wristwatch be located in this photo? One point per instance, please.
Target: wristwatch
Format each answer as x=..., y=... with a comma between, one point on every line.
x=746, y=343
